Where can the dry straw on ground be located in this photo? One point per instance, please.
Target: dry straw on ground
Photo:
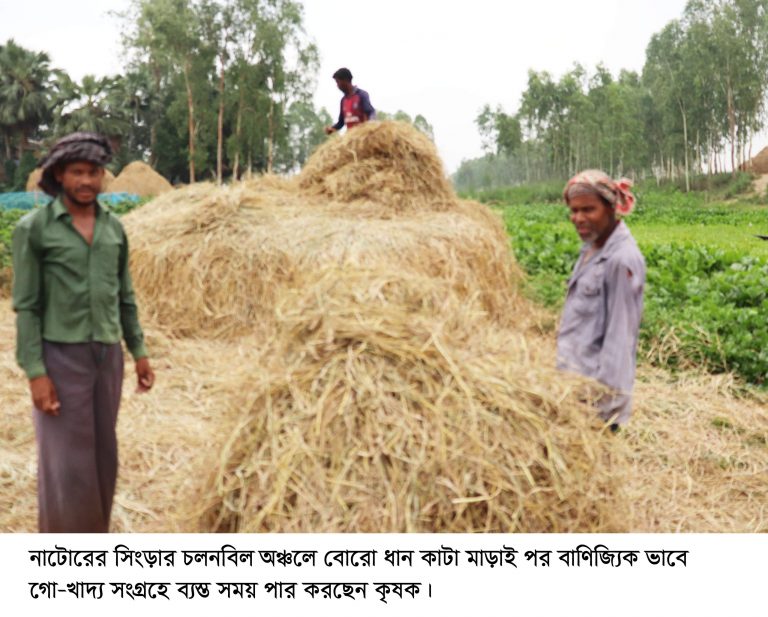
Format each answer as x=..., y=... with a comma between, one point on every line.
x=37, y=173
x=138, y=178
x=330, y=362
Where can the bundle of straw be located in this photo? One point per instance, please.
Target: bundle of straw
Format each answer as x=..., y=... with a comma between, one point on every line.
x=387, y=403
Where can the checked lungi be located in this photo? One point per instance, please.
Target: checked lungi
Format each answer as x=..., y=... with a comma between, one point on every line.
x=77, y=450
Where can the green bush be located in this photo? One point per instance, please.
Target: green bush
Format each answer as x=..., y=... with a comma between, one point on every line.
x=547, y=192
x=704, y=306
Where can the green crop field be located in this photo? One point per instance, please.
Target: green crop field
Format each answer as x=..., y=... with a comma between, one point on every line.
x=706, y=301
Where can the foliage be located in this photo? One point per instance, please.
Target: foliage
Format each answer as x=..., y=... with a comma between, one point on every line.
x=694, y=108
x=705, y=303
x=419, y=121
x=8, y=220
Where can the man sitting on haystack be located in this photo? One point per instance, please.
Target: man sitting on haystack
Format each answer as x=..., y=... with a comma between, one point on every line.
x=74, y=301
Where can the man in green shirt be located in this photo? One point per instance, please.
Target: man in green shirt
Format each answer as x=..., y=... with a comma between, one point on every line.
x=74, y=302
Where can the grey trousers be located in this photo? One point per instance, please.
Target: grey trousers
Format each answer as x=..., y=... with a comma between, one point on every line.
x=77, y=450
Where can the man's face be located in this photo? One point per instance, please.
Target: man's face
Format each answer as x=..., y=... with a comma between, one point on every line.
x=344, y=85
x=593, y=219
x=81, y=181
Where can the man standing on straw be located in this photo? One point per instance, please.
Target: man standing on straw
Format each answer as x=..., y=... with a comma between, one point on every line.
x=355, y=106
x=601, y=317
x=74, y=301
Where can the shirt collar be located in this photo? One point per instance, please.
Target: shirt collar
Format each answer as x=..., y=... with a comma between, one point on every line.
x=59, y=209
x=617, y=237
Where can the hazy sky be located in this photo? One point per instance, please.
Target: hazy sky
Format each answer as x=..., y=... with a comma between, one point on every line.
x=443, y=60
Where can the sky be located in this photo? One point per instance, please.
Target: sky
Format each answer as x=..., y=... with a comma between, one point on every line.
x=443, y=60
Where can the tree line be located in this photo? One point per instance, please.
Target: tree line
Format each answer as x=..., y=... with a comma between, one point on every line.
x=212, y=89
x=693, y=109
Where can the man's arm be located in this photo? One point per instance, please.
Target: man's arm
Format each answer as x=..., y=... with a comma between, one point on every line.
x=624, y=284
x=365, y=105
x=28, y=304
x=129, y=320
x=340, y=122
x=28, y=301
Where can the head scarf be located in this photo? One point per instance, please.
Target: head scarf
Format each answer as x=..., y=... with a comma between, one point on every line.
x=615, y=192
x=80, y=146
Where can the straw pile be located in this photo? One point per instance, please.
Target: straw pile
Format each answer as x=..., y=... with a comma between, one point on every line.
x=138, y=178
x=209, y=261
x=386, y=403
x=391, y=392
x=758, y=164
x=374, y=163
x=37, y=173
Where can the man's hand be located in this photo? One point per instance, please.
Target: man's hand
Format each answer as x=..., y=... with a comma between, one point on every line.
x=329, y=130
x=145, y=375
x=44, y=395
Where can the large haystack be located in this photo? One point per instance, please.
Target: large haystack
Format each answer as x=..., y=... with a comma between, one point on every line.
x=138, y=178
x=397, y=386
x=209, y=260
x=36, y=174
x=386, y=403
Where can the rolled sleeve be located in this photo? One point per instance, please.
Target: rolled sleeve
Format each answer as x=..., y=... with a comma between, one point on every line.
x=27, y=301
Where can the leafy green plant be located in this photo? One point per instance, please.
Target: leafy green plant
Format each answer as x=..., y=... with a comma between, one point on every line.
x=705, y=306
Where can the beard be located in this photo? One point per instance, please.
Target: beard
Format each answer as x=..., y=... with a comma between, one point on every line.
x=82, y=199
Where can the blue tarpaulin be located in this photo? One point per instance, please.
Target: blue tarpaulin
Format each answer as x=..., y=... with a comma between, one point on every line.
x=27, y=201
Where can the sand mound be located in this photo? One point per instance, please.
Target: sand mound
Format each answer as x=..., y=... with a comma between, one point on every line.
x=36, y=174
x=388, y=163
x=138, y=178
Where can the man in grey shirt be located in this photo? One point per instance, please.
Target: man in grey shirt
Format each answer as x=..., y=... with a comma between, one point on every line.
x=604, y=305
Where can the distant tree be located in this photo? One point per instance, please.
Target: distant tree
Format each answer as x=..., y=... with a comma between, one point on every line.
x=92, y=106
x=26, y=91
x=419, y=121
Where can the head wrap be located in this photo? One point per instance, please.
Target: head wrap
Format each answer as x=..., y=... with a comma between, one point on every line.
x=80, y=146
x=615, y=192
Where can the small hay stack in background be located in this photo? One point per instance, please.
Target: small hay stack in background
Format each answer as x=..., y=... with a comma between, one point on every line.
x=37, y=173
x=138, y=178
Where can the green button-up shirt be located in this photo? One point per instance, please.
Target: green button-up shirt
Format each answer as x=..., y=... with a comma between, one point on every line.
x=67, y=291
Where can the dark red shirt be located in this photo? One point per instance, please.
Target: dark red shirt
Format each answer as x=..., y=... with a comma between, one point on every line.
x=355, y=109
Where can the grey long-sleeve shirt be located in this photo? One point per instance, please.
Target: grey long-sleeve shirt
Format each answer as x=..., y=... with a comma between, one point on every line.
x=601, y=319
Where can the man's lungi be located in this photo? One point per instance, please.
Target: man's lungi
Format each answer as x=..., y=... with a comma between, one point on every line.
x=77, y=450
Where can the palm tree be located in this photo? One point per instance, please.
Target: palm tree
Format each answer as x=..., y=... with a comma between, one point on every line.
x=25, y=92
x=90, y=106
